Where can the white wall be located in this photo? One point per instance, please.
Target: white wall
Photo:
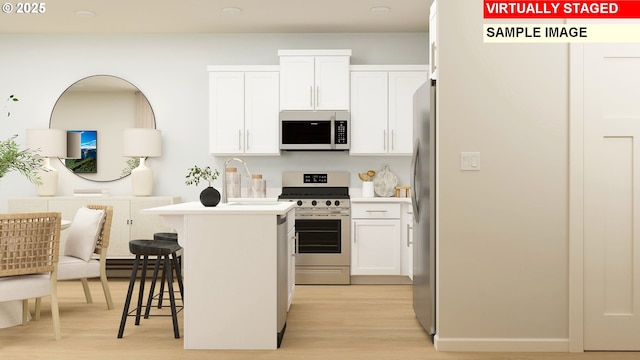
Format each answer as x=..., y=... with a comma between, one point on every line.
x=503, y=230
x=171, y=71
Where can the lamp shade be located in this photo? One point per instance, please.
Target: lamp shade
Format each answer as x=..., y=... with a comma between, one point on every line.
x=141, y=142
x=47, y=142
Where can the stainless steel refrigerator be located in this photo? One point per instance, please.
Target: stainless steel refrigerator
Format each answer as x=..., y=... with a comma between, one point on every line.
x=423, y=200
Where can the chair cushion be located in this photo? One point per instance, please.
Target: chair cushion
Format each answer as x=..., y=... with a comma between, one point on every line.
x=70, y=267
x=24, y=287
x=83, y=233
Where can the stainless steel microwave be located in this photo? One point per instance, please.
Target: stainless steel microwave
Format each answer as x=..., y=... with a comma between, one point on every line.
x=314, y=130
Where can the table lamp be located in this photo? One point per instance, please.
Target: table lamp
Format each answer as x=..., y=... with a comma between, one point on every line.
x=48, y=143
x=142, y=143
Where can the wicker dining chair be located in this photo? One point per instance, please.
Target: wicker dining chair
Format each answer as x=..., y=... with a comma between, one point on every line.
x=85, y=255
x=29, y=245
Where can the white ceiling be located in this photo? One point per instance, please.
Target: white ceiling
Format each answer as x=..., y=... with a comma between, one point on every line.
x=206, y=16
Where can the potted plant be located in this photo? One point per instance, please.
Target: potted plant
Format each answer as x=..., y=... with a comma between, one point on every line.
x=209, y=196
x=26, y=162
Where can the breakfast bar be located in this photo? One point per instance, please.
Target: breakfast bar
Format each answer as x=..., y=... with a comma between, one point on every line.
x=235, y=272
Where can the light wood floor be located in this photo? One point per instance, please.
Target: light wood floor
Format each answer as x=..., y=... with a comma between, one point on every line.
x=325, y=322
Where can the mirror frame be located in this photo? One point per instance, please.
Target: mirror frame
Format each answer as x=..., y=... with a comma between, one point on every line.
x=126, y=163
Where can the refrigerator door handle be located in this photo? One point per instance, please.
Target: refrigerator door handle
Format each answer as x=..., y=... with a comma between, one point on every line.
x=414, y=174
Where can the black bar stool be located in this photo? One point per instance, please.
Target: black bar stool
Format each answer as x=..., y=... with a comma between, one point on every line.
x=165, y=251
x=165, y=236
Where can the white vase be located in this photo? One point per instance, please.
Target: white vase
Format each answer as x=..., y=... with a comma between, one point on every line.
x=367, y=189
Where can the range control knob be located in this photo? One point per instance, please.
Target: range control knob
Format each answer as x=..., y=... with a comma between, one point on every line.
x=314, y=203
x=299, y=203
x=328, y=202
x=337, y=203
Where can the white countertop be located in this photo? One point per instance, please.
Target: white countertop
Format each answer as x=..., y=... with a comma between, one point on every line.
x=253, y=207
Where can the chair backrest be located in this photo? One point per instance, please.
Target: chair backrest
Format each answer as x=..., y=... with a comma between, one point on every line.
x=105, y=232
x=29, y=243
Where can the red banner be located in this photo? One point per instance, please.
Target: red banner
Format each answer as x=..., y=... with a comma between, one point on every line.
x=590, y=9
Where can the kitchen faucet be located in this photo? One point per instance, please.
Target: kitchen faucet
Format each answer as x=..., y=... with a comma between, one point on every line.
x=224, y=178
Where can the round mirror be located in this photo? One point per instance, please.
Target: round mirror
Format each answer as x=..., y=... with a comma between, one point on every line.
x=96, y=110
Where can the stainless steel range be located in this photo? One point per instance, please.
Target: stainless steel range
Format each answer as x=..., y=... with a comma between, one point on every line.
x=323, y=226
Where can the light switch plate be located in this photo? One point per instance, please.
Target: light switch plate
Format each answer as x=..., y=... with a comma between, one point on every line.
x=470, y=161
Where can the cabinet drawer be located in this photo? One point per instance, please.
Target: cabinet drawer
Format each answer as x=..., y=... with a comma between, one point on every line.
x=375, y=211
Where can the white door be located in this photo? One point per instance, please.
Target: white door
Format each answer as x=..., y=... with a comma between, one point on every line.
x=612, y=197
x=226, y=112
x=297, y=86
x=375, y=249
x=261, y=113
x=369, y=108
x=402, y=86
x=332, y=83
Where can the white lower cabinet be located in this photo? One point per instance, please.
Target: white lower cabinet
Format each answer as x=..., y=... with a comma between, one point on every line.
x=407, y=240
x=376, y=233
x=127, y=224
x=291, y=251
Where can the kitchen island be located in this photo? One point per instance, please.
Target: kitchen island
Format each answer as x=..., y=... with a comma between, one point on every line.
x=235, y=263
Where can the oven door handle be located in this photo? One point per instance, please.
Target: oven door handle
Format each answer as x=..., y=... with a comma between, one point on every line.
x=297, y=245
x=320, y=216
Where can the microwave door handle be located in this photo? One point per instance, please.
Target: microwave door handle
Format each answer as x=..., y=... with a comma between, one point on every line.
x=333, y=132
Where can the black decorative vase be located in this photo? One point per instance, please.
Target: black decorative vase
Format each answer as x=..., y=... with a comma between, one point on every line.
x=210, y=196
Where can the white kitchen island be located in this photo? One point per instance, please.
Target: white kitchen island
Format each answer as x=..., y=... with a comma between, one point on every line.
x=231, y=271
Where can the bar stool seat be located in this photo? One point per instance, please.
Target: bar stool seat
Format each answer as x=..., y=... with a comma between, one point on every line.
x=165, y=251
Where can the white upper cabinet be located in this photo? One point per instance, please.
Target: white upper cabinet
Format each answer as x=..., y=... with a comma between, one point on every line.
x=243, y=111
x=433, y=41
x=314, y=79
x=369, y=112
x=382, y=108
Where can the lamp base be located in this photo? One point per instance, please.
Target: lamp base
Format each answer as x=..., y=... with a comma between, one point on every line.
x=142, y=180
x=49, y=178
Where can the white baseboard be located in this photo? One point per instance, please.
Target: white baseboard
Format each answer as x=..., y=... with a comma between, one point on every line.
x=501, y=344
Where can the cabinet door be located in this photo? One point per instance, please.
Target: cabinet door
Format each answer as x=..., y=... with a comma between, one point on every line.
x=407, y=241
x=291, y=252
x=332, y=83
x=433, y=42
x=261, y=113
x=22, y=205
x=119, y=236
x=375, y=248
x=369, y=111
x=120, y=227
x=402, y=86
x=297, y=83
x=67, y=209
x=143, y=226
x=226, y=112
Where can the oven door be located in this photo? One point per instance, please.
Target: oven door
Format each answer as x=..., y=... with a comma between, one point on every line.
x=323, y=239
x=323, y=254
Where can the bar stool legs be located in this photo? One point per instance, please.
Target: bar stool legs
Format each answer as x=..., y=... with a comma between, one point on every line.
x=166, y=255
x=127, y=301
x=177, y=266
x=165, y=236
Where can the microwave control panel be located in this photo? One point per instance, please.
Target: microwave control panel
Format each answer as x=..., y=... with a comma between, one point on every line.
x=341, y=132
